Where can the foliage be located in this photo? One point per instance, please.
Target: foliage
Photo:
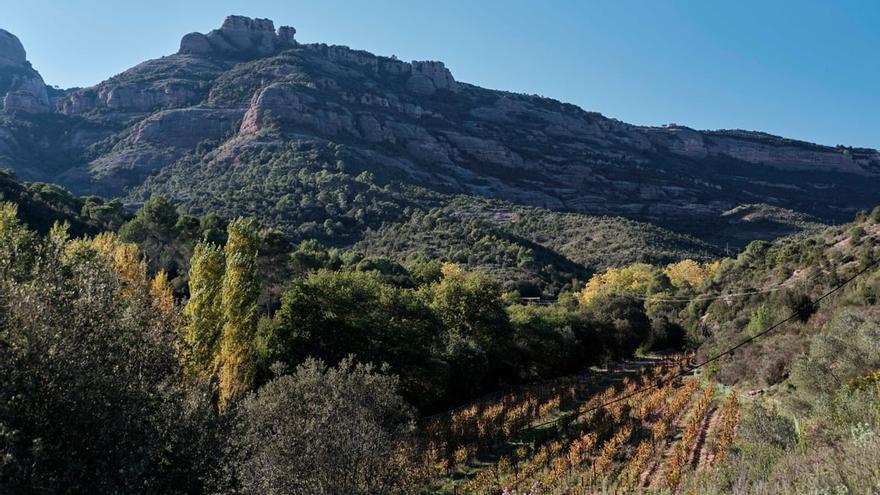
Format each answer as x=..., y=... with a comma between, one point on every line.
x=238, y=299
x=92, y=400
x=324, y=430
x=203, y=312
x=41, y=205
x=333, y=314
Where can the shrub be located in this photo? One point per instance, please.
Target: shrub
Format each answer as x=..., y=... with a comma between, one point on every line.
x=323, y=430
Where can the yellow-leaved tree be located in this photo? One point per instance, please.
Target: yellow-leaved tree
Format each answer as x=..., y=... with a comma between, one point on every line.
x=204, y=313
x=634, y=279
x=161, y=293
x=240, y=290
x=690, y=272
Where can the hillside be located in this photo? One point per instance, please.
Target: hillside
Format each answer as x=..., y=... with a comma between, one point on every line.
x=240, y=95
x=41, y=205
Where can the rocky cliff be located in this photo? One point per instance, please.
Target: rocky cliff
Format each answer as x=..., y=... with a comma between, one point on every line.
x=247, y=86
x=21, y=87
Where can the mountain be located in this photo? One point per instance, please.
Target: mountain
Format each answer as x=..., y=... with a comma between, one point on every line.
x=245, y=115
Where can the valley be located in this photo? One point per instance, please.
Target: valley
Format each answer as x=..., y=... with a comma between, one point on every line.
x=262, y=266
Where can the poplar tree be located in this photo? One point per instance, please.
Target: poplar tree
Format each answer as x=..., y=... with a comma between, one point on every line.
x=240, y=290
x=203, y=312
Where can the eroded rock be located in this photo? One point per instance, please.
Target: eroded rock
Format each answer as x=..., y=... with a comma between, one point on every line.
x=240, y=36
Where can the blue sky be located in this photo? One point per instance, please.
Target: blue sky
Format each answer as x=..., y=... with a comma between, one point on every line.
x=804, y=69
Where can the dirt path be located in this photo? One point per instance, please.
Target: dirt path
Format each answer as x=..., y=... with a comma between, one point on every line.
x=651, y=476
x=700, y=451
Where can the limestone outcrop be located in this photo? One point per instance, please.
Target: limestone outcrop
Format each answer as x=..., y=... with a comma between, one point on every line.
x=21, y=87
x=240, y=36
x=247, y=87
x=11, y=50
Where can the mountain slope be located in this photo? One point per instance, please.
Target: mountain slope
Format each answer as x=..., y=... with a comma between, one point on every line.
x=246, y=90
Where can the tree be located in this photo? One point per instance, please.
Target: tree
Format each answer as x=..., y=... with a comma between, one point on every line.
x=160, y=291
x=622, y=323
x=690, y=272
x=91, y=398
x=477, y=332
x=240, y=290
x=19, y=254
x=634, y=279
x=331, y=314
x=470, y=306
x=324, y=430
x=204, y=312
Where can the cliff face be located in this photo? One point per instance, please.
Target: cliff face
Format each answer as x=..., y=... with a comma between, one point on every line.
x=249, y=85
x=21, y=87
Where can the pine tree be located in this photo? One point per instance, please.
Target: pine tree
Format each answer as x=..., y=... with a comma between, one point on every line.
x=203, y=312
x=240, y=290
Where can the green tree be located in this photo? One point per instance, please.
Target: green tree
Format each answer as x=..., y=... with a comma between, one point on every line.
x=621, y=322
x=760, y=320
x=324, y=430
x=204, y=311
x=240, y=291
x=477, y=332
x=332, y=314
x=469, y=305
x=18, y=256
x=91, y=398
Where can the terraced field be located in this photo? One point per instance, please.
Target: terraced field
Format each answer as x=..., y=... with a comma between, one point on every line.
x=585, y=434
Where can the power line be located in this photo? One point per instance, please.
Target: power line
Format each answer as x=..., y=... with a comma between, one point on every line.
x=763, y=290
x=716, y=357
x=713, y=297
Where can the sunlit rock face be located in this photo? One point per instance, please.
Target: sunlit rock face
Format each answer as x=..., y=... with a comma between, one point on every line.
x=248, y=86
x=21, y=87
x=240, y=36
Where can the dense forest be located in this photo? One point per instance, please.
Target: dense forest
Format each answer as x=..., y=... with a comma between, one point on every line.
x=161, y=352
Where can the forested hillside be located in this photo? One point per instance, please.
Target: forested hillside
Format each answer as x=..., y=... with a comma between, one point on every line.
x=268, y=366
x=324, y=140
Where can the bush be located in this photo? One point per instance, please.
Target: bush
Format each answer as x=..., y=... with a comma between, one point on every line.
x=323, y=430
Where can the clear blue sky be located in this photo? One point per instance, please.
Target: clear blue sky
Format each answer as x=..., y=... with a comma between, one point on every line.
x=803, y=69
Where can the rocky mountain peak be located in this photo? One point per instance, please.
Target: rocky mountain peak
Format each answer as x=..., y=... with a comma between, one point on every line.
x=242, y=23
x=11, y=50
x=21, y=87
x=240, y=36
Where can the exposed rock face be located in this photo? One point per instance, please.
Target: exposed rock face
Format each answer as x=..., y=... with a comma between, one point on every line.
x=169, y=82
x=11, y=50
x=240, y=36
x=415, y=118
x=755, y=148
x=436, y=72
x=21, y=87
x=160, y=140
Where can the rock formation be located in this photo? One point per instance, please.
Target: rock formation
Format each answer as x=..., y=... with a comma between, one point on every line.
x=21, y=87
x=429, y=76
x=11, y=50
x=246, y=87
x=240, y=36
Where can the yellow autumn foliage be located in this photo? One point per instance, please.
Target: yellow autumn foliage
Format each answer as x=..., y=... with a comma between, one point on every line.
x=451, y=270
x=690, y=272
x=633, y=279
x=161, y=293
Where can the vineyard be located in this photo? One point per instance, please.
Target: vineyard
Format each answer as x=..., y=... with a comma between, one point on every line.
x=584, y=434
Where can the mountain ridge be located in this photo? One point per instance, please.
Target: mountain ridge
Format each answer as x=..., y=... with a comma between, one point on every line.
x=247, y=85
